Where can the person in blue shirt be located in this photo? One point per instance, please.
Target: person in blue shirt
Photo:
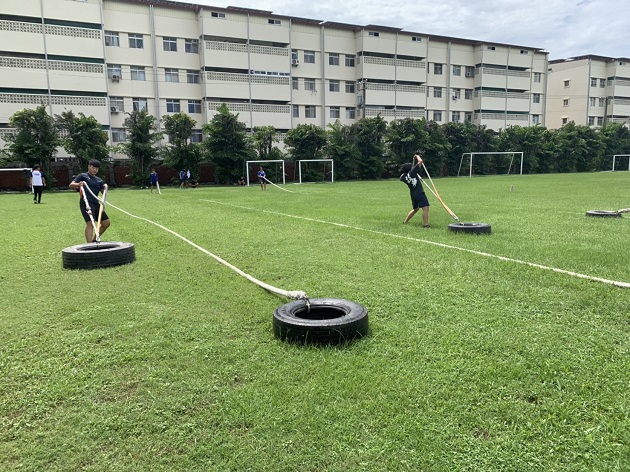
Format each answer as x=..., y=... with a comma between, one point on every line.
x=410, y=175
x=262, y=178
x=182, y=178
x=95, y=184
x=153, y=179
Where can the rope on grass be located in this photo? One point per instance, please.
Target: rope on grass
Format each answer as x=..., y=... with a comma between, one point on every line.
x=269, y=181
x=291, y=294
x=624, y=210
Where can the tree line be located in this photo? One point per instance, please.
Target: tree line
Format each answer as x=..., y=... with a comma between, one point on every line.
x=369, y=149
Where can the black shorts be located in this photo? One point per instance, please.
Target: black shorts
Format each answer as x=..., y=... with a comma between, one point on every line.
x=94, y=207
x=420, y=201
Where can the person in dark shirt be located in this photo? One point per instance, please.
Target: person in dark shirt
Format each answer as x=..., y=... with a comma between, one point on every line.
x=410, y=175
x=95, y=184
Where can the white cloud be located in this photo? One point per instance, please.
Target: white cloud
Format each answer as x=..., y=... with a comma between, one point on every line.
x=565, y=28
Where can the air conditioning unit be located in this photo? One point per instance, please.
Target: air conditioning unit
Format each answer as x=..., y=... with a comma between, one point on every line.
x=455, y=97
x=115, y=78
x=469, y=74
x=294, y=62
x=115, y=109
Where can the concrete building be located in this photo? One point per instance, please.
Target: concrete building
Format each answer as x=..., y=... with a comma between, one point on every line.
x=588, y=90
x=109, y=57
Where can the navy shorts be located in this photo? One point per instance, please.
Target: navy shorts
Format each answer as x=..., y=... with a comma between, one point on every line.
x=420, y=201
x=94, y=207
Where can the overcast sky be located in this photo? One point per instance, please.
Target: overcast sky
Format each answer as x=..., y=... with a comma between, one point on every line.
x=565, y=28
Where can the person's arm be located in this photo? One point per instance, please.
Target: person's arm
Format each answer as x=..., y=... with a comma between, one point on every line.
x=44, y=180
x=76, y=184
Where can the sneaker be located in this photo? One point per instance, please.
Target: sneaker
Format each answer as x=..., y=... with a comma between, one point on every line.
x=426, y=226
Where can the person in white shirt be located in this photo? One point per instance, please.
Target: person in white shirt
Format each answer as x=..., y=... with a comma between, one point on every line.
x=38, y=182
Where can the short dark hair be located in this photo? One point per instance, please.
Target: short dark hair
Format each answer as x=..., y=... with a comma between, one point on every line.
x=36, y=166
x=94, y=163
x=405, y=168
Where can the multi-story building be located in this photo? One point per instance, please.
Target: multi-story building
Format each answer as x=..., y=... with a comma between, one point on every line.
x=108, y=57
x=588, y=90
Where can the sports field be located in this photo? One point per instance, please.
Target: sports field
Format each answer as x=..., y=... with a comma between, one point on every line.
x=508, y=351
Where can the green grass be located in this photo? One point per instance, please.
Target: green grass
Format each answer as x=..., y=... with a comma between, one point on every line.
x=472, y=362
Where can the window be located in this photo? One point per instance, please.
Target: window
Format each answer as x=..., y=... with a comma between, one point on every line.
x=140, y=104
x=333, y=86
x=112, y=39
x=296, y=111
x=191, y=46
x=535, y=119
x=294, y=83
x=591, y=120
x=170, y=44
x=468, y=94
x=457, y=93
x=217, y=14
x=567, y=83
x=172, y=106
x=137, y=73
x=437, y=69
x=294, y=55
x=309, y=84
x=537, y=77
x=171, y=75
x=437, y=116
x=565, y=121
x=376, y=34
x=351, y=113
x=114, y=71
x=470, y=71
x=273, y=21
x=524, y=51
x=455, y=117
x=437, y=92
x=117, y=102
x=193, y=77
x=196, y=136
x=592, y=101
x=602, y=102
x=335, y=112
x=565, y=102
x=457, y=71
x=350, y=87
x=309, y=57
x=602, y=83
x=536, y=98
x=468, y=117
x=491, y=48
x=600, y=120
x=309, y=111
x=333, y=59
x=135, y=41
x=349, y=61
x=593, y=82
x=118, y=135
x=416, y=39
x=194, y=106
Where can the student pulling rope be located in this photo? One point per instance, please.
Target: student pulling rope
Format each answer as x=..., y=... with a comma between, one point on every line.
x=89, y=211
x=437, y=195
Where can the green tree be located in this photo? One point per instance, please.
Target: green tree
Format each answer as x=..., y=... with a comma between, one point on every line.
x=180, y=153
x=36, y=138
x=436, y=149
x=263, y=139
x=369, y=136
x=227, y=145
x=306, y=142
x=404, y=138
x=575, y=148
x=341, y=148
x=84, y=138
x=615, y=138
x=140, y=145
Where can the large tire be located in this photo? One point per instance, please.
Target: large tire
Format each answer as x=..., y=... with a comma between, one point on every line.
x=604, y=213
x=329, y=321
x=98, y=255
x=474, y=228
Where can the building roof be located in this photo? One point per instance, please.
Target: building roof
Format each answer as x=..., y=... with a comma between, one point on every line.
x=590, y=56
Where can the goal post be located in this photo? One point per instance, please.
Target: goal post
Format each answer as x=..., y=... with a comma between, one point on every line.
x=620, y=155
x=332, y=168
x=247, y=164
x=15, y=178
x=473, y=154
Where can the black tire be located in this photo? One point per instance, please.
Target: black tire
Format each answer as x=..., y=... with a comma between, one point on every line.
x=474, y=228
x=603, y=214
x=98, y=255
x=329, y=321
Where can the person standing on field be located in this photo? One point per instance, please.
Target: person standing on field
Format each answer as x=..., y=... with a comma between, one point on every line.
x=182, y=178
x=95, y=184
x=262, y=178
x=153, y=179
x=410, y=175
x=38, y=182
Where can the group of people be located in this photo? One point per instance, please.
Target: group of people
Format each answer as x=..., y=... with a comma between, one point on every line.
x=409, y=174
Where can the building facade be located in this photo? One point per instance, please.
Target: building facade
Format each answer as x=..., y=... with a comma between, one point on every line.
x=106, y=58
x=588, y=90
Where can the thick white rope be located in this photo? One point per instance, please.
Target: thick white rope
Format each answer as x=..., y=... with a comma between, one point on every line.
x=88, y=209
x=293, y=294
x=269, y=181
x=624, y=210
x=437, y=195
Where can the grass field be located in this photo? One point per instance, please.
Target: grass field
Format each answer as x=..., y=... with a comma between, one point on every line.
x=473, y=363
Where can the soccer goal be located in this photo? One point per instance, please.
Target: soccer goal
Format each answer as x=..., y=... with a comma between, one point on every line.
x=620, y=155
x=16, y=178
x=471, y=155
x=316, y=173
x=275, y=172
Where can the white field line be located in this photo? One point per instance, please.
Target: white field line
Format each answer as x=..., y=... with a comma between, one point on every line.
x=616, y=283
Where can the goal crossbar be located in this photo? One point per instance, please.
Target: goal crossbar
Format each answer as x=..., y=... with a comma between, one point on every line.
x=332, y=167
x=505, y=153
x=262, y=162
x=620, y=155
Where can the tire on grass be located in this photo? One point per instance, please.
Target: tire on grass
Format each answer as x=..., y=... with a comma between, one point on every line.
x=329, y=321
x=603, y=213
x=473, y=228
x=98, y=255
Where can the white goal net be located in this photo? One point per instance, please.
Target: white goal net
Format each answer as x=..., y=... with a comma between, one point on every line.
x=471, y=155
x=316, y=170
x=15, y=178
x=274, y=170
x=617, y=156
